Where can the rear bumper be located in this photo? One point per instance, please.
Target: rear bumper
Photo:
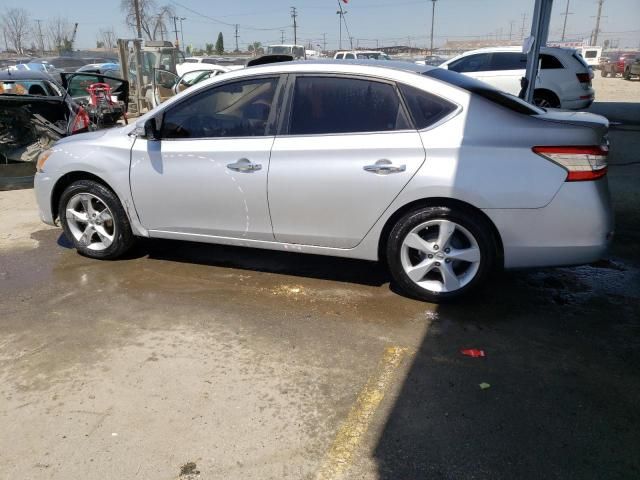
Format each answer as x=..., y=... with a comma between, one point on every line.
x=576, y=227
x=585, y=101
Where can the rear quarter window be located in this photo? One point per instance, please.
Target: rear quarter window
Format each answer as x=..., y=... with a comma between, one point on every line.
x=425, y=109
x=549, y=62
x=483, y=90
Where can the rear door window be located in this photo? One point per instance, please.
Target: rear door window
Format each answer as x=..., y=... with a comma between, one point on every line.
x=508, y=61
x=339, y=56
x=326, y=105
x=479, y=62
x=425, y=108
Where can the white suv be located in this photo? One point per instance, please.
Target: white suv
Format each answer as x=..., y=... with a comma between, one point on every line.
x=564, y=79
x=361, y=55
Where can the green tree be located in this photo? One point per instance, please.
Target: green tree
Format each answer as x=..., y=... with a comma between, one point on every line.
x=220, y=44
x=208, y=48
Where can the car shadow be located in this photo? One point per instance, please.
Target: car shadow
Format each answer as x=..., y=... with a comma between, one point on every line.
x=270, y=261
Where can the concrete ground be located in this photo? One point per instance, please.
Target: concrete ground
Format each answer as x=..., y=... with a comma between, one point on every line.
x=195, y=361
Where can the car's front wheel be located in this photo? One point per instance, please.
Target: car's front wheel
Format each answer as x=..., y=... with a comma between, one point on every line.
x=439, y=253
x=93, y=219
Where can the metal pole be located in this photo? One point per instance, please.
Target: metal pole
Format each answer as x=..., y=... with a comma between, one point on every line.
x=539, y=34
x=175, y=29
x=433, y=15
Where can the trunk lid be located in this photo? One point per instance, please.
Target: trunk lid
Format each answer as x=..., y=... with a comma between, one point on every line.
x=581, y=119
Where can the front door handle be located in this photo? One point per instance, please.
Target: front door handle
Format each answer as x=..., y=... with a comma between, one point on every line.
x=244, y=165
x=384, y=167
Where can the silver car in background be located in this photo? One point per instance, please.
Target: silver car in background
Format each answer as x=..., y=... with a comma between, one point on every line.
x=441, y=176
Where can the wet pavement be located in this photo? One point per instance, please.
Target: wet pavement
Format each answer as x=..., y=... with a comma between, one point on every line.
x=197, y=361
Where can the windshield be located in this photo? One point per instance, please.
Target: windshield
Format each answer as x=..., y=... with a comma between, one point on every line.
x=485, y=91
x=373, y=56
x=279, y=50
x=27, y=87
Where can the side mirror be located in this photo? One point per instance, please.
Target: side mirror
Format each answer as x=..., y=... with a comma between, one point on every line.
x=151, y=129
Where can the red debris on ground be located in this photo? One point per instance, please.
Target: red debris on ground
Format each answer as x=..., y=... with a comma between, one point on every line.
x=472, y=352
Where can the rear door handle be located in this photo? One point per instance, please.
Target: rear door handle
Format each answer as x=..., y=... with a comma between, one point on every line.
x=244, y=165
x=384, y=167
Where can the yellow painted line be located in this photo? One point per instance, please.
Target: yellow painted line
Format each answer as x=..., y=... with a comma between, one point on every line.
x=351, y=432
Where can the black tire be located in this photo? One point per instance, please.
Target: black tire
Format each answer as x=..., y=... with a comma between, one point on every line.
x=603, y=73
x=627, y=74
x=546, y=99
x=473, y=223
x=123, y=236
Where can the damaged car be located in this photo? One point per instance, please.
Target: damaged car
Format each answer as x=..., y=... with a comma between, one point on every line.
x=36, y=111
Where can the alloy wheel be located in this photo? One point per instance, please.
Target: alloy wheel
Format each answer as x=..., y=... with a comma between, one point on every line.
x=90, y=221
x=440, y=256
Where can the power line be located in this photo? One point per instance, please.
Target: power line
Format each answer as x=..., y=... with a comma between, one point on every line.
x=215, y=20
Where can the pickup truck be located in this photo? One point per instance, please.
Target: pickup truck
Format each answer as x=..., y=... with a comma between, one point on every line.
x=613, y=64
x=631, y=68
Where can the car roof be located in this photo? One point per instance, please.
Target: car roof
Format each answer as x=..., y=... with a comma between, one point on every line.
x=331, y=65
x=6, y=74
x=513, y=48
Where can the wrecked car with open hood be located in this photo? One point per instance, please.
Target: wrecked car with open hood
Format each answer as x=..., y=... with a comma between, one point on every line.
x=36, y=111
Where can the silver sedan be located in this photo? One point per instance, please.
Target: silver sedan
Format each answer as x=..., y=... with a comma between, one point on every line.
x=440, y=176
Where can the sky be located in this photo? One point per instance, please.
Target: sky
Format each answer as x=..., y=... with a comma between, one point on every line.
x=371, y=22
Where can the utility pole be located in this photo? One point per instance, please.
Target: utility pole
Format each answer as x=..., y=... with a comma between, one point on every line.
x=566, y=14
x=341, y=14
x=182, y=31
x=175, y=29
x=597, y=29
x=40, y=38
x=282, y=36
x=236, y=35
x=324, y=42
x=294, y=15
x=524, y=21
x=433, y=16
x=511, y=28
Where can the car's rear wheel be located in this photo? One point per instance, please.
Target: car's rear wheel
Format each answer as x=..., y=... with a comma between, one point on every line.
x=546, y=99
x=627, y=74
x=94, y=221
x=439, y=253
x=603, y=73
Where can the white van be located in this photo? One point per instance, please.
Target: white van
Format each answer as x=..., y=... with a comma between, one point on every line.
x=591, y=55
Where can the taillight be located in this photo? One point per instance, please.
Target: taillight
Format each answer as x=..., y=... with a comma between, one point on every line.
x=584, y=77
x=81, y=122
x=581, y=163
